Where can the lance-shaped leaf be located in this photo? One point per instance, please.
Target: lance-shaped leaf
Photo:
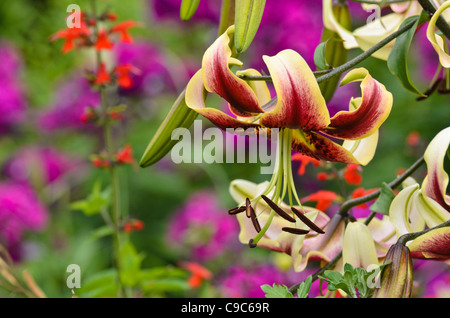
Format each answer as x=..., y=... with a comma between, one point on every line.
x=397, y=60
x=437, y=41
x=188, y=8
x=179, y=116
x=248, y=15
x=435, y=244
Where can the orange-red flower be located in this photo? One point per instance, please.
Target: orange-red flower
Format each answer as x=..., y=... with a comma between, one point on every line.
x=73, y=37
x=352, y=174
x=103, y=42
x=122, y=29
x=198, y=273
x=413, y=138
x=304, y=161
x=133, y=225
x=125, y=155
x=323, y=198
x=103, y=76
x=360, y=192
x=123, y=72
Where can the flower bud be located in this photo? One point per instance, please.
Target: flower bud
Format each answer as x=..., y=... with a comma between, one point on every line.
x=248, y=14
x=188, y=8
x=396, y=277
x=180, y=116
x=359, y=246
x=335, y=52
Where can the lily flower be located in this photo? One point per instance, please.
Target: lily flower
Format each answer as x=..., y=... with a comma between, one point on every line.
x=295, y=237
x=416, y=207
x=358, y=246
x=437, y=41
x=373, y=32
x=299, y=112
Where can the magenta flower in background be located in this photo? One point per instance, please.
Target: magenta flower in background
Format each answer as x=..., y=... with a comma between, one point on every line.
x=45, y=163
x=207, y=11
x=432, y=279
x=20, y=211
x=12, y=98
x=202, y=228
x=153, y=75
x=240, y=282
x=73, y=97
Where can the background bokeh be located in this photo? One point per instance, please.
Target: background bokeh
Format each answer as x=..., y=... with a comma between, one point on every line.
x=45, y=148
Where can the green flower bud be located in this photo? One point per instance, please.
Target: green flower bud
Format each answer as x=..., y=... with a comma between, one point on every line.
x=248, y=14
x=180, y=115
x=335, y=52
x=188, y=8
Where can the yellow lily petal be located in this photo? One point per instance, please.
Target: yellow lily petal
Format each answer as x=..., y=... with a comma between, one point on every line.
x=437, y=41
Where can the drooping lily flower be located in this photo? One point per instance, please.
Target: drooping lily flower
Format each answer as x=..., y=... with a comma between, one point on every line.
x=358, y=246
x=283, y=234
x=374, y=31
x=299, y=112
x=417, y=207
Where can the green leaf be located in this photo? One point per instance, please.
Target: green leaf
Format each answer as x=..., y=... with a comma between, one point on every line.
x=97, y=201
x=305, y=286
x=130, y=264
x=102, y=284
x=248, y=15
x=179, y=116
x=188, y=8
x=384, y=200
x=276, y=291
x=319, y=56
x=397, y=60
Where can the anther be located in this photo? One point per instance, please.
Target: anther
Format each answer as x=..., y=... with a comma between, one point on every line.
x=248, y=208
x=294, y=230
x=254, y=220
x=277, y=209
x=307, y=221
x=251, y=244
x=236, y=210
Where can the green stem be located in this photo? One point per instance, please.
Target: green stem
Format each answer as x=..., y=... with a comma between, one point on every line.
x=441, y=24
x=411, y=236
x=114, y=180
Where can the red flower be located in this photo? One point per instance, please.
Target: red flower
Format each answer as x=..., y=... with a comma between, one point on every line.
x=122, y=28
x=123, y=72
x=360, y=192
x=323, y=198
x=103, y=41
x=413, y=138
x=100, y=162
x=102, y=75
x=133, y=225
x=304, y=161
x=73, y=37
x=322, y=176
x=198, y=273
x=88, y=115
x=351, y=174
x=125, y=155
